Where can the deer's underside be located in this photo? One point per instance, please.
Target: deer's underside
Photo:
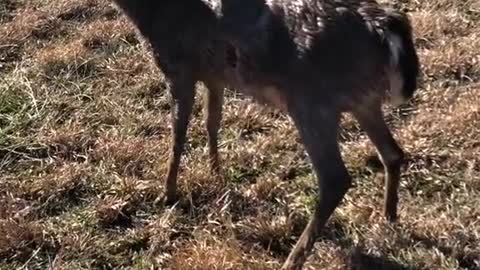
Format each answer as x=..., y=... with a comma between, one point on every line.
x=311, y=59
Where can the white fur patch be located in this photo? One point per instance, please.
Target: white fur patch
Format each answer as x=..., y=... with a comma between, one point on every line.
x=394, y=75
x=395, y=44
x=396, y=87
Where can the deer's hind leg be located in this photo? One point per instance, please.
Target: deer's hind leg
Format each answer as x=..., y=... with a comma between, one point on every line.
x=318, y=130
x=392, y=156
x=182, y=89
x=213, y=118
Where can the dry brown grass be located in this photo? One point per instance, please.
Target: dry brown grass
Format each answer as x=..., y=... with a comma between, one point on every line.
x=84, y=139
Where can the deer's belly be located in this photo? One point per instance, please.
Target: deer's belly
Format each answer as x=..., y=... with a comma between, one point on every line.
x=268, y=95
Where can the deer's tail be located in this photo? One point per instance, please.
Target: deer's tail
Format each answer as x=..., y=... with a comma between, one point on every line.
x=404, y=63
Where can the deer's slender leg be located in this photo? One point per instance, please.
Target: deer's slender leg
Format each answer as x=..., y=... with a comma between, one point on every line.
x=319, y=134
x=213, y=119
x=183, y=95
x=391, y=155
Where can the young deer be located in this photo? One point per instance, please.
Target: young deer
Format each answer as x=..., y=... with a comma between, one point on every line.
x=312, y=59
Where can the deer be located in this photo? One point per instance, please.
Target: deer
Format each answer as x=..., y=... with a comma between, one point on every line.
x=312, y=59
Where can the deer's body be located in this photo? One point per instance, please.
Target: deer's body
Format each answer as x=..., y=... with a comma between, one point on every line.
x=312, y=59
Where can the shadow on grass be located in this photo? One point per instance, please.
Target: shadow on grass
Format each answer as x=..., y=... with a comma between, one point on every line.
x=465, y=260
x=336, y=232
x=361, y=261
x=357, y=259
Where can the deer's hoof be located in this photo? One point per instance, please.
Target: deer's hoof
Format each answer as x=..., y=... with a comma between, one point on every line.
x=170, y=200
x=390, y=212
x=294, y=261
x=290, y=265
x=391, y=217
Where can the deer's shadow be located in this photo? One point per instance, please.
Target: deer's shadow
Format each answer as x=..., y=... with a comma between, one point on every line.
x=358, y=259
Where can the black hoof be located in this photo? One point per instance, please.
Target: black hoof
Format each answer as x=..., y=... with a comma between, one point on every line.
x=170, y=200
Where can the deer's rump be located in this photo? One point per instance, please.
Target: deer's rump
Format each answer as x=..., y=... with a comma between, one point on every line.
x=347, y=47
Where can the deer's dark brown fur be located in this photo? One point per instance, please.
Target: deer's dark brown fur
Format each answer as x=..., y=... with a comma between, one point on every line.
x=312, y=59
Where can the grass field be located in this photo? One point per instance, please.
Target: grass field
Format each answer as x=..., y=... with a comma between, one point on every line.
x=84, y=138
